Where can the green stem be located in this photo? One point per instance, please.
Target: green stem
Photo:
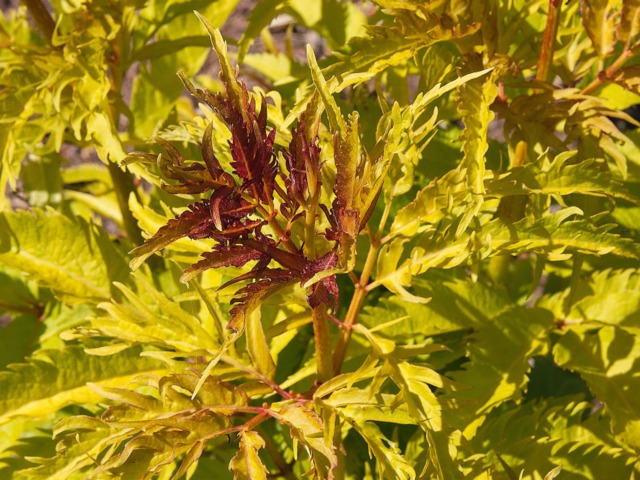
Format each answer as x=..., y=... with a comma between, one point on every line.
x=548, y=42
x=277, y=228
x=609, y=72
x=123, y=187
x=354, y=308
x=322, y=340
x=41, y=17
x=310, y=223
x=122, y=180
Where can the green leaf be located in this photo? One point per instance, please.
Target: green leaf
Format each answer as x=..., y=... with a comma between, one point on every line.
x=149, y=317
x=16, y=339
x=599, y=20
x=390, y=463
x=431, y=204
x=227, y=73
x=261, y=15
x=559, y=177
x=42, y=180
x=105, y=138
x=17, y=295
x=606, y=359
x=336, y=121
x=498, y=363
x=536, y=436
x=73, y=454
x=415, y=383
x=257, y=345
x=629, y=25
x=246, y=463
x=156, y=89
x=54, y=379
x=554, y=235
x=398, y=38
x=476, y=97
x=607, y=297
x=307, y=428
x=79, y=266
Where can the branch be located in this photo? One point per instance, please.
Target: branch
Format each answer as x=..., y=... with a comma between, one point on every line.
x=549, y=40
x=41, y=17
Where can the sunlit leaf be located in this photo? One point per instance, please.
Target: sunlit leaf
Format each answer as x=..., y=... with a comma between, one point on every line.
x=246, y=464
x=79, y=266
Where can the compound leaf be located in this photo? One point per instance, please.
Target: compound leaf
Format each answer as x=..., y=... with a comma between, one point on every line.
x=54, y=379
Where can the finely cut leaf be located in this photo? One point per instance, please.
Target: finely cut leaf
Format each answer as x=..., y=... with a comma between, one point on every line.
x=57, y=378
x=607, y=360
x=560, y=177
x=599, y=18
x=149, y=317
x=476, y=97
x=246, y=463
x=193, y=222
x=498, y=362
x=307, y=428
x=336, y=121
x=391, y=464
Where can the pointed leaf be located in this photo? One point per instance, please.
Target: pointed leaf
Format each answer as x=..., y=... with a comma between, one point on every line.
x=246, y=463
x=258, y=346
x=222, y=256
x=599, y=18
x=390, y=462
x=194, y=222
x=607, y=360
x=57, y=378
x=307, y=428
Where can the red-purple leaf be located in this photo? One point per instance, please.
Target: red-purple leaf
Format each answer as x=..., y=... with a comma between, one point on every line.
x=221, y=256
x=325, y=262
x=251, y=295
x=293, y=261
x=213, y=165
x=322, y=291
x=194, y=223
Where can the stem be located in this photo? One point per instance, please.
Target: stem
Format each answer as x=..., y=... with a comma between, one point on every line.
x=274, y=386
x=123, y=187
x=354, y=308
x=310, y=223
x=277, y=228
x=383, y=220
x=252, y=423
x=322, y=340
x=608, y=73
x=122, y=180
x=41, y=17
x=549, y=40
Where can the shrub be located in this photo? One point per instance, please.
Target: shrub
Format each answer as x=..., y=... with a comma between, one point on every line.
x=415, y=257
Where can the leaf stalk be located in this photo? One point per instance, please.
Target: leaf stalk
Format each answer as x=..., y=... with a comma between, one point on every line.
x=43, y=20
x=548, y=42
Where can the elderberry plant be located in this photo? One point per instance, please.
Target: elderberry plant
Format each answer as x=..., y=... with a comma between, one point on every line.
x=415, y=257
